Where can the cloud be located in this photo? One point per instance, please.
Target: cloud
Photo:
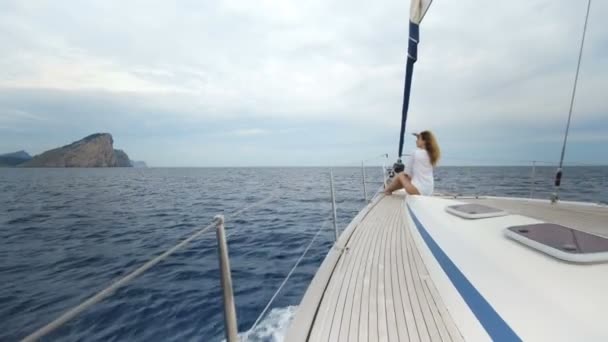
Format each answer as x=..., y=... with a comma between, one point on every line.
x=187, y=70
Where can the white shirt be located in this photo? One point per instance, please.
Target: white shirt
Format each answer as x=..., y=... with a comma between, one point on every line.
x=420, y=170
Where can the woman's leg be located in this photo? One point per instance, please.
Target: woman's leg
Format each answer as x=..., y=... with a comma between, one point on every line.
x=394, y=185
x=402, y=181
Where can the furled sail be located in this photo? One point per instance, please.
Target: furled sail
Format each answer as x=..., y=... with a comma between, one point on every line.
x=418, y=9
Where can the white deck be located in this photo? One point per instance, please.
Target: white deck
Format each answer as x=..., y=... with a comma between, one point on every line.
x=538, y=297
x=592, y=218
x=386, y=280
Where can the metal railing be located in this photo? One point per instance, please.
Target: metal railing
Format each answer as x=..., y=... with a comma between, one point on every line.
x=112, y=288
x=333, y=204
x=230, y=317
x=334, y=219
x=232, y=333
x=363, y=178
x=539, y=182
x=364, y=175
x=532, y=180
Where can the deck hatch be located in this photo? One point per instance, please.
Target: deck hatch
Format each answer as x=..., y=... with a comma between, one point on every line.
x=561, y=242
x=474, y=211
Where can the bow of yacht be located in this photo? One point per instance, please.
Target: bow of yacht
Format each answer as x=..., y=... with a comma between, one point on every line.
x=444, y=268
x=409, y=268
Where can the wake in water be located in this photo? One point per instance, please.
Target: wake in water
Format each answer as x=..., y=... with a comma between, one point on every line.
x=273, y=327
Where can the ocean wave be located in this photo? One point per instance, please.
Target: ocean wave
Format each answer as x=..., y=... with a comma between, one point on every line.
x=273, y=327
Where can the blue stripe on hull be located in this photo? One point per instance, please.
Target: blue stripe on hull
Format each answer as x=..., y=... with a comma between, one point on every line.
x=494, y=325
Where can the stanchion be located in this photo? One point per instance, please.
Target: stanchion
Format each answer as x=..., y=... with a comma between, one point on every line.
x=226, y=281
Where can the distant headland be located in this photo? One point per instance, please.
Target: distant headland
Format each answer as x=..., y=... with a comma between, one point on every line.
x=95, y=150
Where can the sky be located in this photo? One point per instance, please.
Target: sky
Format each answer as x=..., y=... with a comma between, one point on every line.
x=302, y=83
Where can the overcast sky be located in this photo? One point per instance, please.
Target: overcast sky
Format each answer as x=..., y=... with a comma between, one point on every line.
x=241, y=82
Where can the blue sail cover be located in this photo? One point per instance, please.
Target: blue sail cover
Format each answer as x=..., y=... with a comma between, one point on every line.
x=412, y=47
x=417, y=11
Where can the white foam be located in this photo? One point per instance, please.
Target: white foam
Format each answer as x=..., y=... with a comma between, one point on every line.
x=273, y=327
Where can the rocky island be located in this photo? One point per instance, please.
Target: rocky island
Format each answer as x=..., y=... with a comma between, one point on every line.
x=96, y=150
x=14, y=159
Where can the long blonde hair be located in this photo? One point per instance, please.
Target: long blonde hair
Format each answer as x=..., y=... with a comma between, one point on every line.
x=431, y=146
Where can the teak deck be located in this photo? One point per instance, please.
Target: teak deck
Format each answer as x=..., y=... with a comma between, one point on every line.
x=379, y=289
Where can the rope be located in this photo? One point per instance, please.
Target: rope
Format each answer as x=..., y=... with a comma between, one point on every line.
x=379, y=191
x=558, y=174
x=68, y=315
x=357, y=163
x=383, y=156
x=274, y=296
x=510, y=162
x=578, y=67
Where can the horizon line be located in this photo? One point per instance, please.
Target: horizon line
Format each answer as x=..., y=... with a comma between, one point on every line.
x=358, y=166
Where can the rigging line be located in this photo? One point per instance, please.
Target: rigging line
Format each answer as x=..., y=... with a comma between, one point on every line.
x=357, y=163
x=382, y=156
x=323, y=225
x=380, y=190
x=231, y=231
x=578, y=66
x=525, y=161
x=73, y=312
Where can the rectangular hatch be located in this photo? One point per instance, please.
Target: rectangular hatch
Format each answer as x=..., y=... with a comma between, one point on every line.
x=474, y=211
x=561, y=242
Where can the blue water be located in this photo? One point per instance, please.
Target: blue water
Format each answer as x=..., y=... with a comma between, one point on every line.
x=67, y=233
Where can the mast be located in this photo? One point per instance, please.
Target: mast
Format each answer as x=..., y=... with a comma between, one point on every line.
x=418, y=9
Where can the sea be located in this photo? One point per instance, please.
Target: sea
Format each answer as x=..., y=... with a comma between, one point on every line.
x=66, y=234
